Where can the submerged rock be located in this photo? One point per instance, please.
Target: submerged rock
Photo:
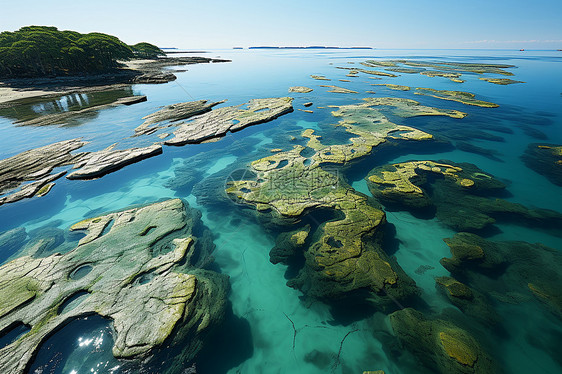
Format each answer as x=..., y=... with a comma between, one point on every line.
x=440, y=345
x=545, y=159
x=502, y=269
x=458, y=96
x=218, y=122
x=97, y=164
x=135, y=269
x=456, y=192
x=11, y=241
x=469, y=301
x=35, y=166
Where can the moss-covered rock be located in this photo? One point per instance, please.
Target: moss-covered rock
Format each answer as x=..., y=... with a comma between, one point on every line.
x=440, y=345
x=344, y=254
x=459, y=194
x=142, y=279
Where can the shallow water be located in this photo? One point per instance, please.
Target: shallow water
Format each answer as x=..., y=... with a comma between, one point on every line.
x=273, y=329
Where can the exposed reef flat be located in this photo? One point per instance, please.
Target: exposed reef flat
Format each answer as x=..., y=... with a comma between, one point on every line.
x=97, y=164
x=336, y=89
x=340, y=258
x=218, y=122
x=452, y=76
x=458, y=96
x=500, y=81
x=35, y=166
x=509, y=271
x=300, y=89
x=320, y=78
x=405, y=108
x=460, y=196
x=139, y=274
x=440, y=345
x=460, y=66
x=405, y=70
x=396, y=87
x=545, y=159
x=173, y=113
x=367, y=71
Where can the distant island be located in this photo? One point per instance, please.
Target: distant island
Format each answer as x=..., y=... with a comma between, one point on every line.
x=309, y=47
x=44, y=51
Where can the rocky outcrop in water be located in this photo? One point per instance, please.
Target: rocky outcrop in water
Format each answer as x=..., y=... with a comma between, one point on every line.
x=458, y=96
x=460, y=195
x=218, y=122
x=97, y=164
x=173, y=113
x=35, y=166
x=135, y=267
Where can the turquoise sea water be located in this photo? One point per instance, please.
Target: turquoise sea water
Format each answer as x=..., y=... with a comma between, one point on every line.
x=272, y=328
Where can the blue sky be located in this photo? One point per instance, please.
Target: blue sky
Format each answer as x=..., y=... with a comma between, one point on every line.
x=192, y=24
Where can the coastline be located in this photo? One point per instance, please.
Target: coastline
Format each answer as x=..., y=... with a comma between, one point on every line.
x=132, y=72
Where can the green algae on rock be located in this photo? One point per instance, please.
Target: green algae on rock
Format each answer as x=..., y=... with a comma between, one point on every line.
x=500, y=81
x=504, y=268
x=458, y=96
x=452, y=76
x=458, y=195
x=139, y=274
x=545, y=159
x=400, y=107
x=440, y=345
x=341, y=258
x=218, y=122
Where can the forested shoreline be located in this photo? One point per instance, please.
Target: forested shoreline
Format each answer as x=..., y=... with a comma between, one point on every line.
x=44, y=51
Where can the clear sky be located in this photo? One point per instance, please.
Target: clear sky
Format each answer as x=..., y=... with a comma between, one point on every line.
x=196, y=24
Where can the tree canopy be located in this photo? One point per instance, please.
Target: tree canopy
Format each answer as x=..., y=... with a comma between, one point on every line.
x=38, y=51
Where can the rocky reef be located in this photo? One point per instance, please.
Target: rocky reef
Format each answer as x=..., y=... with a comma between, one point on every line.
x=510, y=271
x=440, y=345
x=344, y=254
x=458, y=96
x=500, y=81
x=460, y=195
x=140, y=268
x=545, y=159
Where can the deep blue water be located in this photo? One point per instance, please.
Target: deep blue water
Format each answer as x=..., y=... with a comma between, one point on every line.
x=259, y=327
